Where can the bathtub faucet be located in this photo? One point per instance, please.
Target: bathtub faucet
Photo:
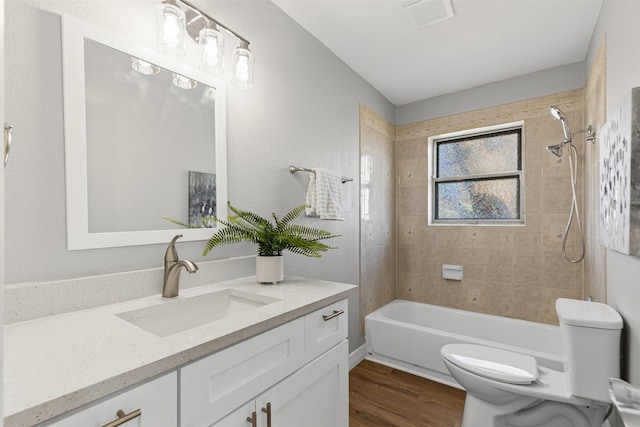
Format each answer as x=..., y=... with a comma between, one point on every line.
x=172, y=265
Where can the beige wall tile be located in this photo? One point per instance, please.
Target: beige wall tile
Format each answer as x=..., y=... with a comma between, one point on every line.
x=412, y=172
x=514, y=271
x=511, y=270
x=594, y=115
x=378, y=230
x=412, y=200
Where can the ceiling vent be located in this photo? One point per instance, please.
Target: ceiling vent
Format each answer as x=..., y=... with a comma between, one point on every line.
x=429, y=12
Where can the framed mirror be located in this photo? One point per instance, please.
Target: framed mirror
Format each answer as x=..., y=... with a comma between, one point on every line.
x=145, y=140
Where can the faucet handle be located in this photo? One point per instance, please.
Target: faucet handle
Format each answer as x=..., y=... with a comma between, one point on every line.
x=171, y=255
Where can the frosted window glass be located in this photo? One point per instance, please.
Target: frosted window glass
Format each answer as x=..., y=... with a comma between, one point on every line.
x=479, y=155
x=482, y=199
x=478, y=177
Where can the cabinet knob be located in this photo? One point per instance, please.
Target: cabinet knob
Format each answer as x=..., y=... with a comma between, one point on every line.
x=123, y=418
x=335, y=313
x=253, y=419
x=267, y=411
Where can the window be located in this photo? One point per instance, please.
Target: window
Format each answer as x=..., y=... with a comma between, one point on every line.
x=476, y=176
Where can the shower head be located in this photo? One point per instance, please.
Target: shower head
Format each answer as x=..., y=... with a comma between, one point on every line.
x=556, y=150
x=558, y=115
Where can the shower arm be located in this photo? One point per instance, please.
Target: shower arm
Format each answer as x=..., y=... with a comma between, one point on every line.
x=591, y=135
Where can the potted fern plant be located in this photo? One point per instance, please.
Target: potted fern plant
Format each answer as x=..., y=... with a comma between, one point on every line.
x=272, y=238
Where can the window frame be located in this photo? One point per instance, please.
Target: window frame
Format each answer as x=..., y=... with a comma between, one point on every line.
x=433, y=141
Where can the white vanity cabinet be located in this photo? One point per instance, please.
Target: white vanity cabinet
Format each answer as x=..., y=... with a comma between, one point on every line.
x=314, y=396
x=219, y=383
x=152, y=404
x=293, y=375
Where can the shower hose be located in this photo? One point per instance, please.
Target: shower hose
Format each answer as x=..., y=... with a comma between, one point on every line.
x=574, y=213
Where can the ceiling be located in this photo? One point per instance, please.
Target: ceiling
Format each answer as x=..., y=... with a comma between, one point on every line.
x=484, y=42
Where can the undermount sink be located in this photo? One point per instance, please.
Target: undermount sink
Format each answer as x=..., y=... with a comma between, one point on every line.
x=181, y=314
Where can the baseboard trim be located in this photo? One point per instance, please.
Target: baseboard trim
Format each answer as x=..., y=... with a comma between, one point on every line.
x=357, y=356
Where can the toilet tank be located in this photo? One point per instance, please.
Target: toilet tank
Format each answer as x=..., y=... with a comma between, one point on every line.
x=591, y=342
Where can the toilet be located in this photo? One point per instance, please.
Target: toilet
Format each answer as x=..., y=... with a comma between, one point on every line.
x=626, y=398
x=509, y=389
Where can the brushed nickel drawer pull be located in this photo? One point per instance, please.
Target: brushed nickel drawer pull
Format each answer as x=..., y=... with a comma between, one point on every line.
x=267, y=411
x=253, y=419
x=123, y=418
x=335, y=313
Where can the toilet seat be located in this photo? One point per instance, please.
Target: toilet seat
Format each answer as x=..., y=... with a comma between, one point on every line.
x=493, y=363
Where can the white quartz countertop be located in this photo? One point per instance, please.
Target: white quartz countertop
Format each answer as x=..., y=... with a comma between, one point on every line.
x=56, y=364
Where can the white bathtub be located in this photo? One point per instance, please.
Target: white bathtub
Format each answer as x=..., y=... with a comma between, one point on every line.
x=408, y=336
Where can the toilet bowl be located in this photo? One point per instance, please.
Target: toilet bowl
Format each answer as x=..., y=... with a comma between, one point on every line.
x=508, y=389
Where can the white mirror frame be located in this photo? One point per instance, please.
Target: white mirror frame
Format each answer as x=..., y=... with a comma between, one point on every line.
x=74, y=31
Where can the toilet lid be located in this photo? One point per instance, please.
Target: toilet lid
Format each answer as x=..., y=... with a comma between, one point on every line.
x=494, y=363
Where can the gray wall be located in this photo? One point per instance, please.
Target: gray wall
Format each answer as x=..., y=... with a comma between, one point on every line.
x=618, y=20
x=534, y=85
x=303, y=110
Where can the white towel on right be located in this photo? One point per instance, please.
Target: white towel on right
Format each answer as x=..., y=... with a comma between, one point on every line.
x=324, y=195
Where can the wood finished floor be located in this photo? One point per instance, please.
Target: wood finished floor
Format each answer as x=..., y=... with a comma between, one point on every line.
x=380, y=396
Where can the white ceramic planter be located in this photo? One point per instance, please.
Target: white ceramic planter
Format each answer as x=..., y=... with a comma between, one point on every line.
x=269, y=269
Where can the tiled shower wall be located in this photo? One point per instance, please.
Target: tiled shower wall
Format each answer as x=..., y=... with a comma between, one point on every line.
x=377, y=212
x=594, y=115
x=512, y=271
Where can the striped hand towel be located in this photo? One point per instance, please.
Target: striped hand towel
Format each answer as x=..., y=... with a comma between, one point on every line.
x=324, y=195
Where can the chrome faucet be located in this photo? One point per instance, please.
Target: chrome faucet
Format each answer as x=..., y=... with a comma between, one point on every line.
x=172, y=264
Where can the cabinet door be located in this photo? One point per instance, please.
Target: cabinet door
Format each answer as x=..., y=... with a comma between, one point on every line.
x=238, y=418
x=315, y=396
x=157, y=401
x=212, y=387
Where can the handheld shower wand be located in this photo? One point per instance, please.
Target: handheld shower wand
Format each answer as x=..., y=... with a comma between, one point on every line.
x=556, y=150
x=558, y=115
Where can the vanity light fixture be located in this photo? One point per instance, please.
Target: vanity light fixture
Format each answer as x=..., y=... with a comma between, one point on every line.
x=212, y=43
x=242, y=66
x=179, y=20
x=170, y=30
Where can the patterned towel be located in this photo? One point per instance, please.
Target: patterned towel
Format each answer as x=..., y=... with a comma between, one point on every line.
x=324, y=195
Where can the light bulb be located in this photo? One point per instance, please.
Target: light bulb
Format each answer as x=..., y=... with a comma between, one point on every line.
x=242, y=77
x=213, y=50
x=170, y=30
x=171, y=24
x=243, y=70
x=243, y=64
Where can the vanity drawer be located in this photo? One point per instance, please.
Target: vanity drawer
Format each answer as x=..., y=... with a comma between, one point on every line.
x=325, y=328
x=214, y=386
x=156, y=402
